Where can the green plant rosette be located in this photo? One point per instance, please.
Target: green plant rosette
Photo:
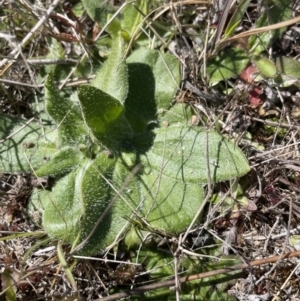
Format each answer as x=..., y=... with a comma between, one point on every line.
x=112, y=159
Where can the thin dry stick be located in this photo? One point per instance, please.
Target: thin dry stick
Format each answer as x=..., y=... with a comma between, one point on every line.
x=271, y=152
x=293, y=232
x=276, y=157
x=139, y=27
x=71, y=82
x=13, y=43
x=222, y=21
x=112, y=18
x=204, y=52
x=153, y=286
x=166, y=8
x=268, y=122
x=285, y=282
x=272, y=123
x=177, y=283
x=281, y=119
x=15, y=83
x=104, y=260
x=260, y=30
x=271, y=231
x=17, y=131
x=16, y=51
x=288, y=119
x=284, y=247
x=225, y=243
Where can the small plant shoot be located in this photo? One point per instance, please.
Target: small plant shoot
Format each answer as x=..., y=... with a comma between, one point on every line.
x=127, y=131
x=112, y=156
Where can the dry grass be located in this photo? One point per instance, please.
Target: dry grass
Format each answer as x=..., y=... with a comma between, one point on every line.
x=34, y=272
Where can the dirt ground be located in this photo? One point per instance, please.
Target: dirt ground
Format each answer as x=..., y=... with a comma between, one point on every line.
x=262, y=117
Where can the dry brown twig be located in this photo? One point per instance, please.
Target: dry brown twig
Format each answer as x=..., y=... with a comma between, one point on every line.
x=16, y=51
x=170, y=283
x=258, y=31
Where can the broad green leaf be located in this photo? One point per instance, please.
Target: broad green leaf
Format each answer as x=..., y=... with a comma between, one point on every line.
x=65, y=113
x=160, y=264
x=62, y=162
x=104, y=115
x=96, y=193
x=78, y=9
x=164, y=194
x=277, y=11
x=288, y=66
x=286, y=81
x=168, y=204
x=104, y=46
x=266, y=67
x=56, y=51
x=165, y=204
x=91, y=203
x=153, y=82
x=228, y=63
x=38, y=201
x=142, y=142
x=24, y=147
x=114, y=27
x=202, y=288
x=236, y=18
x=133, y=15
x=63, y=209
x=87, y=65
x=98, y=10
x=179, y=152
x=156, y=200
x=180, y=113
x=112, y=77
x=163, y=33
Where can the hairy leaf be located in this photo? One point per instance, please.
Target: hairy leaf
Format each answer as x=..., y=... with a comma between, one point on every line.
x=56, y=51
x=133, y=15
x=266, y=67
x=104, y=115
x=98, y=10
x=164, y=194
x=179, y=152
x=288, y=66
x=153, y=82
x=159, y=201
x=161, y=264
x=62, y=162
x=65, y=113
x=230, y=62
x=112, y=77
x=63, y=209
x=114, y=26
x=23, y=147
x=180, y=113
x=168, y=205
x=96, y=193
